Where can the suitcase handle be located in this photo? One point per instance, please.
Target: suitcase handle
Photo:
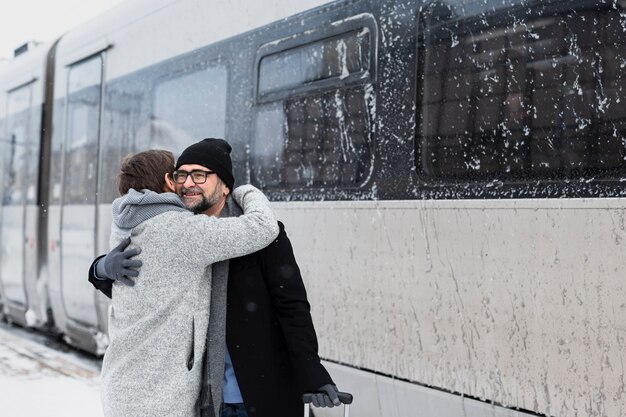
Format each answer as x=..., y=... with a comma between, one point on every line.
x=344, y=397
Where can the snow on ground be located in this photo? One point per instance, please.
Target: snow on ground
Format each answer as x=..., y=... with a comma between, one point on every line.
x=37, y=380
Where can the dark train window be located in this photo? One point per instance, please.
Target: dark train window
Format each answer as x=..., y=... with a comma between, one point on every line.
x=315, y=103
x=82, y=132
x=168, y=106
x=189, y=106
x=521, y=92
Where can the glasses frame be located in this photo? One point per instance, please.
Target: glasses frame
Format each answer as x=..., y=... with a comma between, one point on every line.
x=191, y=173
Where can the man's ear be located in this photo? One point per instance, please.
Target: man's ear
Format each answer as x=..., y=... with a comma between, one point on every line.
x=169, y=183
x=225, y=190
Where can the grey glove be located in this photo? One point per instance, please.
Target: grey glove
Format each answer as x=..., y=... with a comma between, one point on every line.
x=326, y=396
x=116, y=265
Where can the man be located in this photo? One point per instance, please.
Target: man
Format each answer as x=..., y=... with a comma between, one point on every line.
x=271, y=347
x=159, y=326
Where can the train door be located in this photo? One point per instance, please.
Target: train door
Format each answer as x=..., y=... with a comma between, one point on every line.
x=78, y=209
x=12, y=222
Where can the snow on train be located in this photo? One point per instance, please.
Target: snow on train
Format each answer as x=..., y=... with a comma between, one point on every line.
x=451, y=173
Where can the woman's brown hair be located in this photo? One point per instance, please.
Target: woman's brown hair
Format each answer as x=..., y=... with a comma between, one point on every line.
x=145, y=170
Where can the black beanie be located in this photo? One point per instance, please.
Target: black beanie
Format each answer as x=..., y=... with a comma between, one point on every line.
x=213, y=154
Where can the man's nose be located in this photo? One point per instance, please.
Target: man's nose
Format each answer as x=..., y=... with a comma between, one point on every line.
x=189, y=182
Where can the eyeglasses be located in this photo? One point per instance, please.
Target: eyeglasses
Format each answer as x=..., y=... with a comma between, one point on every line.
x=198, y=176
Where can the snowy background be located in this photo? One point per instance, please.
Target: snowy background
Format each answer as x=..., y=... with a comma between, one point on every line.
x=43, y=378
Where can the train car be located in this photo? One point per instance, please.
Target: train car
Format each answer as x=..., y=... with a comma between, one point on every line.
x=450, y=173
x=22, y=105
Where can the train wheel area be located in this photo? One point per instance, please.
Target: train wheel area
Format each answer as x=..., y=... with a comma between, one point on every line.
x=43, y=378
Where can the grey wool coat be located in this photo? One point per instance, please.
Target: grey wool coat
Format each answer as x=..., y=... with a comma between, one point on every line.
x=158, y=328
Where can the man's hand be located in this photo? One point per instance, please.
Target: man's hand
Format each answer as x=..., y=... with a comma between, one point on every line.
x=117, y=263
x=326, y=397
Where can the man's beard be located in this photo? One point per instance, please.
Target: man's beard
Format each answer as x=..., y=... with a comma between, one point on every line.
x=204, y=203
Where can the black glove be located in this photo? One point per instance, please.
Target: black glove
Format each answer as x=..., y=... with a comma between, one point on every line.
x=326, y=397
x=116, y=264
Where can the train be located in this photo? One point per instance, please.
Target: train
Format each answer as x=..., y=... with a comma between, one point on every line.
x=450, y=172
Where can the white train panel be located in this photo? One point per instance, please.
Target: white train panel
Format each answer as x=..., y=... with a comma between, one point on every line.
x=12, y=267
x=518, y=302
x=77, y=253
x=377, y=395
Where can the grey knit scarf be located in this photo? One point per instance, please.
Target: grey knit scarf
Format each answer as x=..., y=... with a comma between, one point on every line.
x=213, y=381
x=135, y=207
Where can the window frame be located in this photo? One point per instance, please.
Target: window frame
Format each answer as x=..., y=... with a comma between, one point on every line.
x=338, y=27
x=67, y=199
x=8, y=123
x=353, y=24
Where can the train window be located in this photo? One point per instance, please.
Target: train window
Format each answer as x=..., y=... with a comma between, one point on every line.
x=189, y=106
x=16, y=147
x=315, y=101
x=336, y=58
x=519, y=92
x=83, y=124
x=168, y=106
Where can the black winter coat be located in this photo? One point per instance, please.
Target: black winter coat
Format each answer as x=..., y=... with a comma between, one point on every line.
x=269, y=331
